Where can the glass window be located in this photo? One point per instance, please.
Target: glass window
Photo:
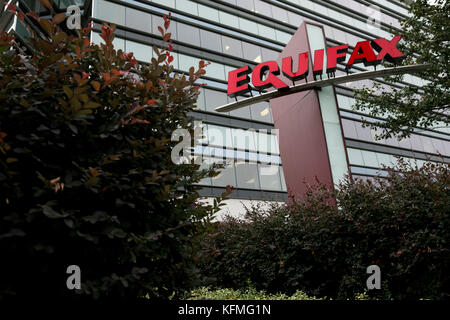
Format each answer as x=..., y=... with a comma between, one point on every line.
x=252, y=52
x=210, y=40
x=266, y=31
x=248, y=25
x=241, y=113
x=343, y=102
x=228, y=19
x=269, y=176
x=185, y=62
x=244, y=139
x=266, y=142
x=168, y=3
x=233, y=2
x=201, y=99
x=405, y=143
x=263, y=8
x=349, y=129
x=232, y=46
x=227, y=175
x=206, y=164
x=208, y=13
x=268, y=54
x=214, y=99
x=138, y=20
x=427, y=144
x=188, y=34
x=294, y=19
x=187, y=6
x=392, y=141
x=141, y=51
x=279, y=14
x=439, y=146
x=215, y=70
x=416, y=143
x=158, y=21
x=283, y=181
x=370, y=159
x=355, y=156
x=247, y=175
x=109, y=11
x=118, y=43
x=384, y=158
x=261, y=112
x=248, y=4
x=219, y=136
x=363, y=133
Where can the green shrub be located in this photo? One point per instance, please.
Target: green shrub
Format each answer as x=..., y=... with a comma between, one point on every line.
x=249, y=293
x=86, y=176
x=400, y=224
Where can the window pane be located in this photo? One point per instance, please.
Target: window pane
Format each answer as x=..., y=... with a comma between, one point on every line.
x=208, y=13
x=216, y=70
x=168, y=3
x=248, y=4
x=261, y=112
x=247, y=175
x=283, y=181
x=219, y=136
x=279, y=14
x=248, y=25
x=185, y=62
x=226, y=176
x=263, y=8
x=370, y=158
x=214, y=99
x=269, y=177
x=232, y=46
x=141, y=51
x=252, y=52
x=187, y=6
x=188, y=34
x=363, y=133
x=355, y=156
x=268, y=54
x=206, y=164
x=201, y=99
x=138, y=20
x=228, y=19
x=158, y=21
x=294, y=19
x=244, y=139
x=349, y=129
x=210, y=40
x=266, y=31
x=110, y=12
x=384, y=158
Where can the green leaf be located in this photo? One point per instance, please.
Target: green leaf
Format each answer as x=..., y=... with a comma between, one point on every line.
x=91, y=105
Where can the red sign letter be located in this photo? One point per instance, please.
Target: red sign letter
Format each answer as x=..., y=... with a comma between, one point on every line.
x=238, y=81
x=387, y=49
x=362, y=53
x=334, y=55
x=302, y=70
x=318, y=62
x=271, y=80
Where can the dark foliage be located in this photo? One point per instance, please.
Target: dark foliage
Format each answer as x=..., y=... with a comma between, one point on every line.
x=86, y=176
x=401, y=224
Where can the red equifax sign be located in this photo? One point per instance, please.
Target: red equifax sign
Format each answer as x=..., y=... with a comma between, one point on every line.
x=238, y=80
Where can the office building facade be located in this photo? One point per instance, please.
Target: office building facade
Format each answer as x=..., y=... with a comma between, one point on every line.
x=236, y=33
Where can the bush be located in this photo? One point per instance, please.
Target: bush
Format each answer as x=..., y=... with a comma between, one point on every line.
x=323, y=244
x=86, y=176
x=249, y=293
